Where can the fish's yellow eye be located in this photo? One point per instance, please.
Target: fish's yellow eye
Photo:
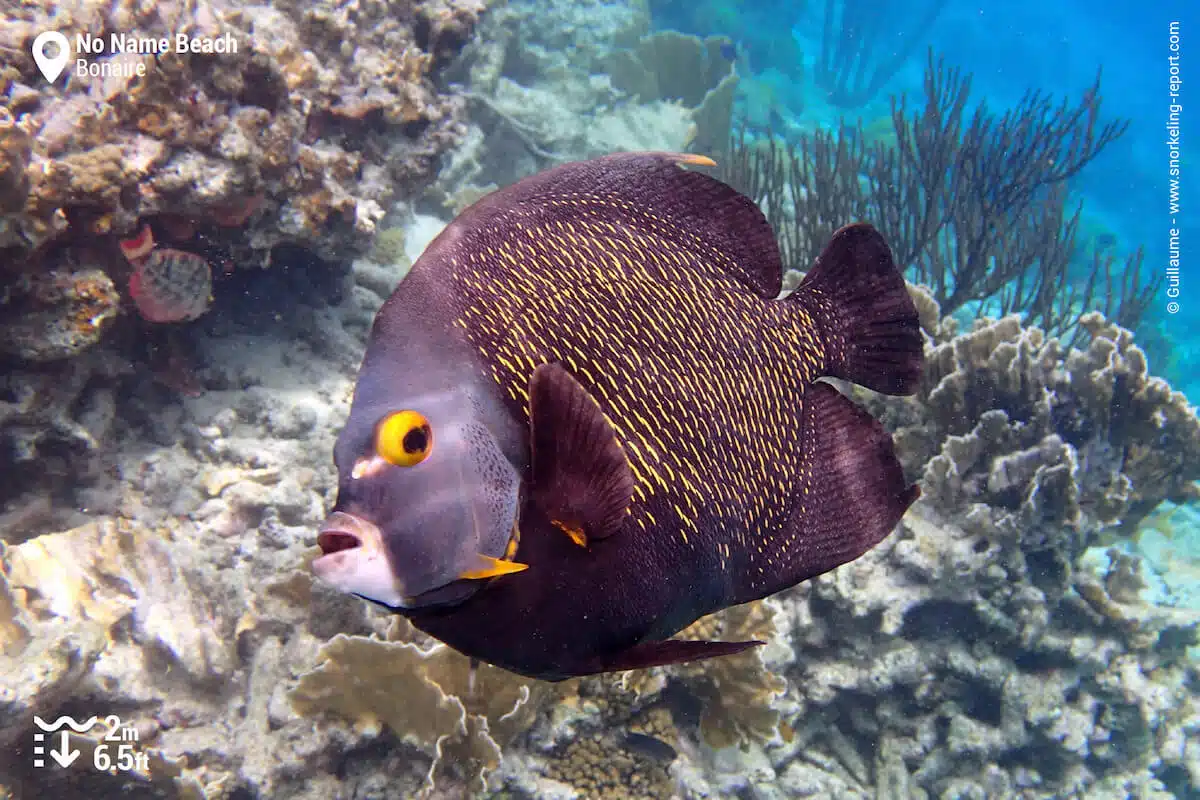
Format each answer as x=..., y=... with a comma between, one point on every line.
x=404, y=438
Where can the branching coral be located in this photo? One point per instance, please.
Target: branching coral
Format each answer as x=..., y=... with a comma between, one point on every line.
x=973, y=206
x=857, y=56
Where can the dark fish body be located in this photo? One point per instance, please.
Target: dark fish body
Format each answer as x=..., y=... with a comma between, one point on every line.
x=676, y=453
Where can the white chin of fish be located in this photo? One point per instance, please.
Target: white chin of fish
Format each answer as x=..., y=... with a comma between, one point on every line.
x=359, y=571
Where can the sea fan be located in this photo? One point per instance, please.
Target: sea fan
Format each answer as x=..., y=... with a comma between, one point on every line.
x=171, y=286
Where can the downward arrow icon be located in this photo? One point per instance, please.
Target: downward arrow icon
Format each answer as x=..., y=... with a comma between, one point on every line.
x=64, y=755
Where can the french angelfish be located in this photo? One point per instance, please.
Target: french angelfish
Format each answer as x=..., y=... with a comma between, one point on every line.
x=585, y=419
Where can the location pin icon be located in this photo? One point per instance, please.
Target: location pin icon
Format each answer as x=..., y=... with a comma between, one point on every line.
x=51, y=66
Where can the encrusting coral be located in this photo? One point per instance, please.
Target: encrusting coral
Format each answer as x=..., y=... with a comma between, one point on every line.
x=56, y=314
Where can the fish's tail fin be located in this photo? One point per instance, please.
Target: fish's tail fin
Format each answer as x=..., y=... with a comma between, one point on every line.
x=860, y=304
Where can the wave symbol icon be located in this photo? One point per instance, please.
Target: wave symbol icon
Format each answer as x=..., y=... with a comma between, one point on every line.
x=67, y=721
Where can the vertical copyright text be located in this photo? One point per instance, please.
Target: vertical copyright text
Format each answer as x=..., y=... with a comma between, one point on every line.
x=1174, y=163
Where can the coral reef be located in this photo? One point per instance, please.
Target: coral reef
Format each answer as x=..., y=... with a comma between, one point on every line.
x=292, y=136
x=1007, y=641
x=1017, y=432
x=971, y=654
x=57, y=314
x=620, y=88
x=984, y=633
x=954, y=664
x=458, y=718
x=140, y=188
x=56, y=424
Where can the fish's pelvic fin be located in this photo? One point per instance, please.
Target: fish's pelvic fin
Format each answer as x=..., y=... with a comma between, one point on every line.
x=668, y=651
x=488, y=567
x=582, y=479
x=849, y=503
x=864, y=316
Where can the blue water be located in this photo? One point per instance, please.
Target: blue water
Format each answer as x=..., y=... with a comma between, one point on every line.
x=1009, y=48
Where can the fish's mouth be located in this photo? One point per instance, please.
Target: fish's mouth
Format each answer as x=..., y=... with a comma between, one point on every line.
x=336, y=541
x=341, y=535
x=354, y=559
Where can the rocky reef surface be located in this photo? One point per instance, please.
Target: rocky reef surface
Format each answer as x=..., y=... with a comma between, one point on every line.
x=1009, y=640
x=314, y=142
x=968, y=655
x=302, y=133
x=152, y=187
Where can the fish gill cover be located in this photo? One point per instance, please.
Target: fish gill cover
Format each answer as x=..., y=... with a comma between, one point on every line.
x=1025, y=631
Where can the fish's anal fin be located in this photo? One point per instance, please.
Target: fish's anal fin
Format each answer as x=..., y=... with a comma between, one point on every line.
x=858, y=300
x=669, y=651
x=852, y=499
x=582, y=479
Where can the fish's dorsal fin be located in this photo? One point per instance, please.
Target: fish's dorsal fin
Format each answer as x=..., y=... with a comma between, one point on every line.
x=581, y=479
x=702, y=214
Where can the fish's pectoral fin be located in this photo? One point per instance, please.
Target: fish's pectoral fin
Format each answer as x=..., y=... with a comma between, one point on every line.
x=844, y=507
x=488, y=567
x=668, y=651
x=574, y=531
x=582, y=479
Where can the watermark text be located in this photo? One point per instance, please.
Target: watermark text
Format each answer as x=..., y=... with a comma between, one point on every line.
x=1174, y=162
